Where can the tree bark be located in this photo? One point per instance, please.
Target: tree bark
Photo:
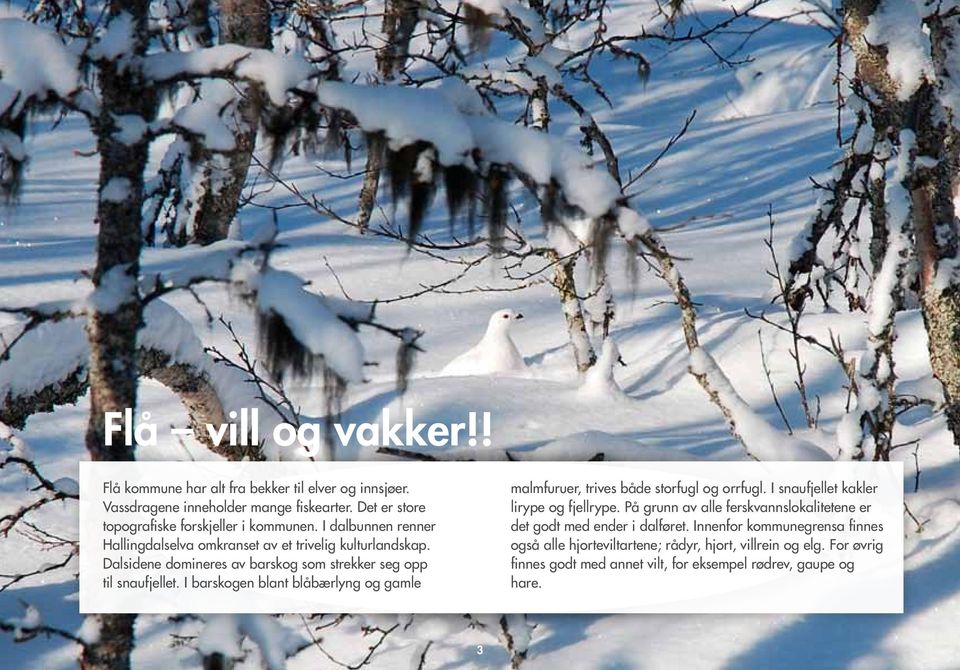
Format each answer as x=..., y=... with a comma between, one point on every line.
x=400, y=17
x=564, y=277
x=938, y=238
x=198, y=17
x=190, y=384
x=113, y=325
x=563, y=281
x=117, y=316
x=932, y=183
x=247, y=23
x=112, y=651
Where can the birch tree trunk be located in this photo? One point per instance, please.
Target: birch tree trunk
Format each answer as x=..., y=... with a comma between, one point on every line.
x=112, y=651
x=400, y=17
x=937, y=225
x=564, y=278
x=928, y=113
x=563, y=281
x=117, y=310
x=247, y=23
x=117, y=315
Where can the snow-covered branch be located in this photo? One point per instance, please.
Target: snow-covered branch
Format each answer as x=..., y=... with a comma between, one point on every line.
x=169, y=352
x=28, y=82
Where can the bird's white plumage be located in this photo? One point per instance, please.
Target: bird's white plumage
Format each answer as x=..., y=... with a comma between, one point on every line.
x=495, y=353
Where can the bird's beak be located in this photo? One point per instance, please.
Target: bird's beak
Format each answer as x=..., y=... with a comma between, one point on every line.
x=519, y=316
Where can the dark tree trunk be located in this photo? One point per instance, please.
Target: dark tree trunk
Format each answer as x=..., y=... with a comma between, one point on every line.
x=198, y=17
x=400, y=17
x=113, y=650
x=886, y=109
x=113, y=325
x=247, y=23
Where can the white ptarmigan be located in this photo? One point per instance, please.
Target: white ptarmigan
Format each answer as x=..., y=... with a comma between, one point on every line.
x=494, y=353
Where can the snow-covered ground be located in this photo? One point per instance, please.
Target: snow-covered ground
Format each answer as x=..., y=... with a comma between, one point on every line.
x=762, y=129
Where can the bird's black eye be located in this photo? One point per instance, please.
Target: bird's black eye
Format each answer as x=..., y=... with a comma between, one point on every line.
x=506, y=316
